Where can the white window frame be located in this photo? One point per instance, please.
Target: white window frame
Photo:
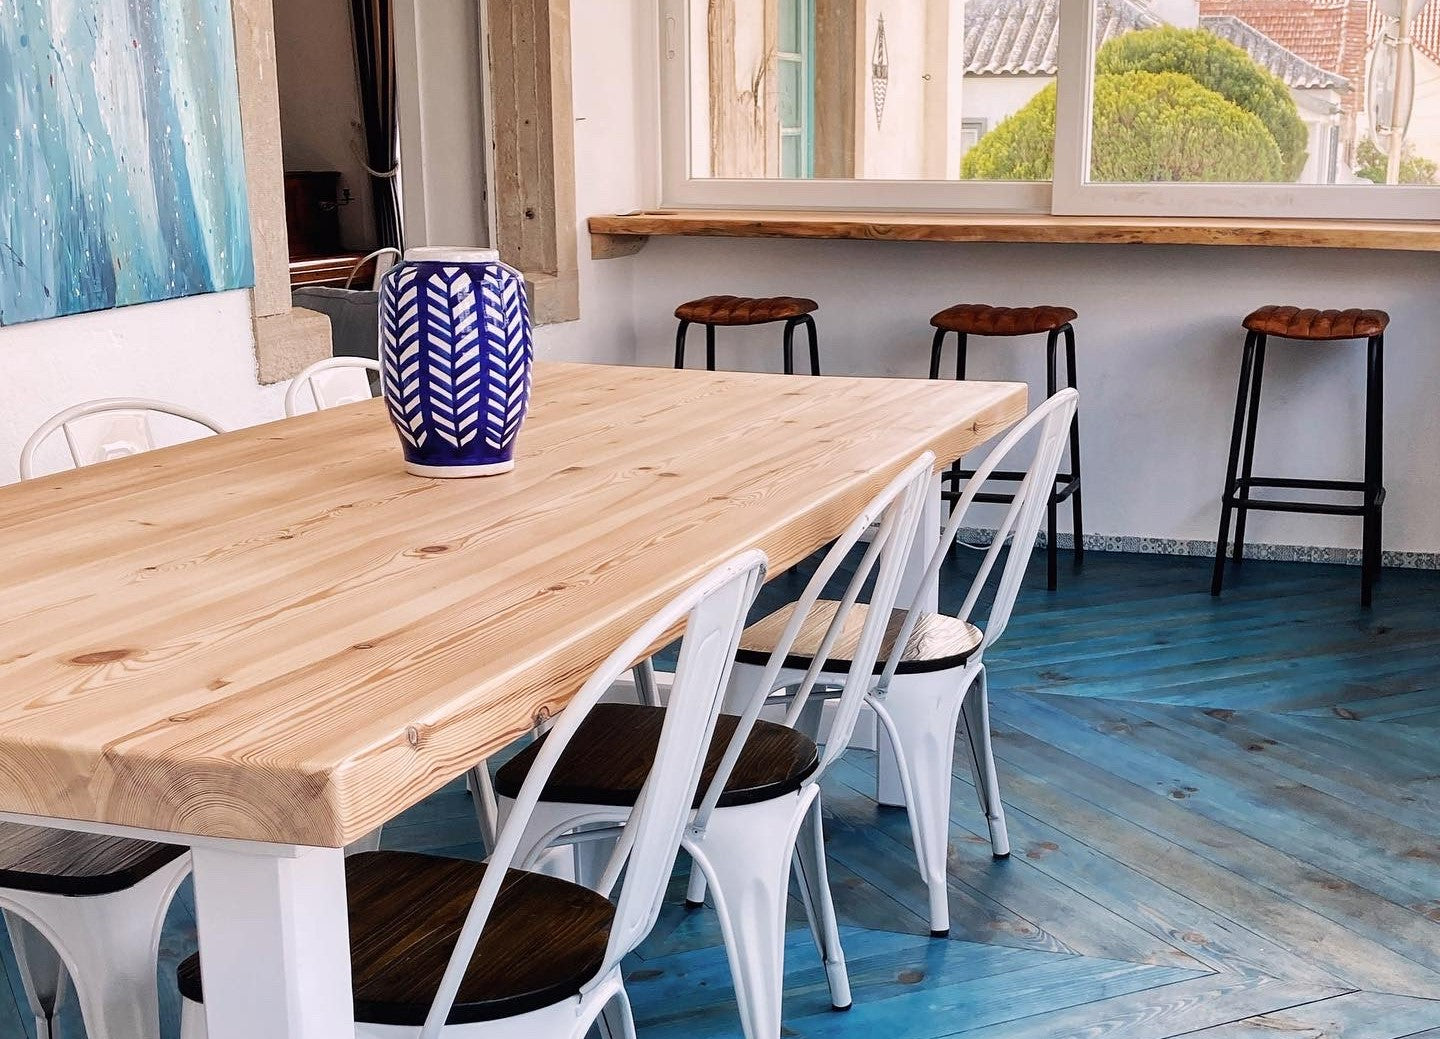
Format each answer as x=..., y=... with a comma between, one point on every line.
x=1076, y=195
x=1071, y=193
x=681, y=190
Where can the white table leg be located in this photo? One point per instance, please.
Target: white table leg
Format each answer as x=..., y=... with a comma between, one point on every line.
x=927, y=538
x=274, y=943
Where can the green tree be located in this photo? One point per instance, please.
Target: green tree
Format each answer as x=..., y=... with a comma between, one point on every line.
x=1148, y=127
x=1372, y=164
x=1224, y=68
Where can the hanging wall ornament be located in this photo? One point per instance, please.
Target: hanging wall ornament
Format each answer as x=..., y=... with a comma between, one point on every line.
x=880, y=71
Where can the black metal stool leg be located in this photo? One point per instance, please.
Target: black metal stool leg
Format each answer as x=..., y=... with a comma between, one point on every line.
x=790, y=346
x=1052, y=549
x=1076, y=518
x=1242, y=491
x=1242, y=398
x=680, y=344
x=710, y=348
x=937, y=347
x=814, y=345
x=962, y=350
x=1374, y=467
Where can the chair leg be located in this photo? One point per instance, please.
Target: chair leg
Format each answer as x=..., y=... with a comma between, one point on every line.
x=1257, y=373
x=710, y=348
x=110, y=946
x=487, y=812
x=975, y=712
x=1374, y=467
x=1237, y=433
x=695, y=889
x=1077, y=521
x=789, y=345
x=42, y=974
x=617, y=1020
x=745, y=853
x=647, y=691
x=921, y=722
x=814, y=877
x=680, y=336
x=814, y=345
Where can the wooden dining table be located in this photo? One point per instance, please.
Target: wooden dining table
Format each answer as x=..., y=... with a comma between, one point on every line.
x=262, y=645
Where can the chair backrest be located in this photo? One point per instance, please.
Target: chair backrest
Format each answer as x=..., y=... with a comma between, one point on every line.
x=384, y=259
x=100, y=430
x=890, y=520
x=332, y=382
x=1019, y=526
x=713, y=613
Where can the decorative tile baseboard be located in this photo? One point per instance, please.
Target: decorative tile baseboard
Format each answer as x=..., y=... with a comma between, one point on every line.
x=1177, y=547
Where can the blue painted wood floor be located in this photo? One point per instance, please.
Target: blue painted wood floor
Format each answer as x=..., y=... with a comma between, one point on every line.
x=1224, y=817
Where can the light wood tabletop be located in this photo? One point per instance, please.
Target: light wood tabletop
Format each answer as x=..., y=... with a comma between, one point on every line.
x=279, y=635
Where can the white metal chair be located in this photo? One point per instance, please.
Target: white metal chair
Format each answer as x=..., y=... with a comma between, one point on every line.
x=332, y=382
x=760, y=811
x=86, y=911
x=934, y=672
x=445, y=946
x=384, y=259
x=100, y=430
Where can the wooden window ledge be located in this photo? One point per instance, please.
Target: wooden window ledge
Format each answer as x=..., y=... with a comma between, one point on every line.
x=624, y=234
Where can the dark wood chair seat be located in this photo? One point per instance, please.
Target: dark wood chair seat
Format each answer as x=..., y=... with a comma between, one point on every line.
x=545, y=939
x=1317, y=325
x=981, y=320
x=938, y=642
x=609, y=758
x=59, y=862
x=744, y=310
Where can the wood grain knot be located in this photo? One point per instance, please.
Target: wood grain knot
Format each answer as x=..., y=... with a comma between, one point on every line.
x=913, y=976
x=103, y=656
x=433, y=550
x=412, y=736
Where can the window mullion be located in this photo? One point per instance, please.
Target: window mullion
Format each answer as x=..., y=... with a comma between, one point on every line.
x=1075, y=77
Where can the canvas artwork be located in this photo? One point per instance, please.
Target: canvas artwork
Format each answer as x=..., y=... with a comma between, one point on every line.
x=122, y=178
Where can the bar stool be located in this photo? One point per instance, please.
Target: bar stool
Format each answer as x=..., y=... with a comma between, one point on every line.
x=714, y=311
x=1310, y=326
x=977, y=319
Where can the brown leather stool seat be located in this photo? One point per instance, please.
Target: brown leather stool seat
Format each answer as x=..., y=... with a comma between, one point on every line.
x=744, y=310
x=981, y=320
x=734, y=311
x=1317, y=325
x=1314, y=326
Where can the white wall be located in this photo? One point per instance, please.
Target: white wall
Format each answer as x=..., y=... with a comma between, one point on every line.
x=1160, y=333
x=196, y=351
x=440, y=94
x=1159, y=345
x=320, y=102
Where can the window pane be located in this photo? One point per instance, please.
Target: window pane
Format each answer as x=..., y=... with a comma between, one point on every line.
x=1266, y=91
x=875, y=89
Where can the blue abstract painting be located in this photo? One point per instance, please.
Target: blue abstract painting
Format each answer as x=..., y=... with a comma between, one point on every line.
x=122, y=178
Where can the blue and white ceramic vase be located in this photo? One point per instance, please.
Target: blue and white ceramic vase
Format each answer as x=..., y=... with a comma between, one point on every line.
x=455, y=359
